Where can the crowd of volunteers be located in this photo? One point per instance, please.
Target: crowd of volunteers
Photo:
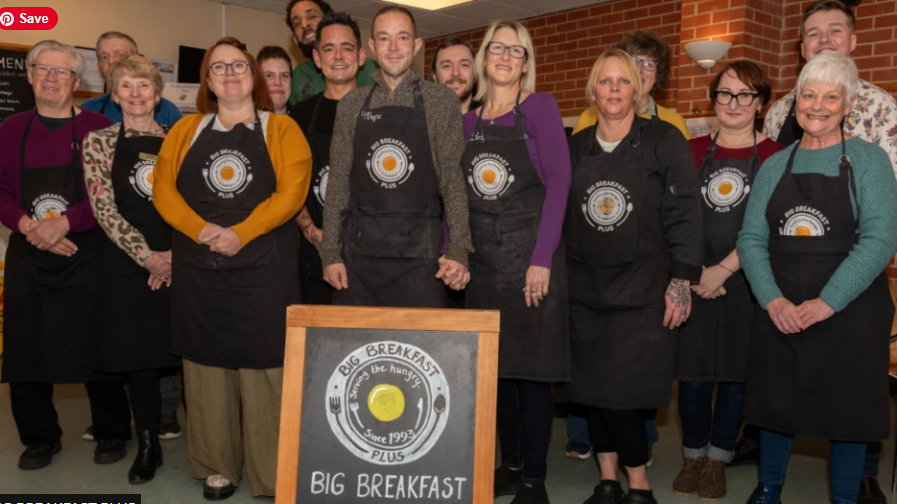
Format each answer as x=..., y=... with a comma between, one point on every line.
x=153, y=255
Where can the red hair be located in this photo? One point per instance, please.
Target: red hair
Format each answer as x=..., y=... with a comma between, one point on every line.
x=207, y=101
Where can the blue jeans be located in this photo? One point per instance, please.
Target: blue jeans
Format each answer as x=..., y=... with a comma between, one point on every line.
x=578, y=431
x=708, y=431
x=847, y=464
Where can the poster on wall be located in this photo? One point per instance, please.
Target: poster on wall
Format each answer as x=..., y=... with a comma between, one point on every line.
x=92, y=80
x=168, y=69
x=182, y=95
x=4, y=243
x=16, y=94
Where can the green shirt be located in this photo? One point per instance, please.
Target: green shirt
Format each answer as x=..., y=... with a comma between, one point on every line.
x=308, y=81
x=876, y=195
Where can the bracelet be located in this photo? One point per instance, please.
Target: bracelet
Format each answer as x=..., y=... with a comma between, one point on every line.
x=725, y=268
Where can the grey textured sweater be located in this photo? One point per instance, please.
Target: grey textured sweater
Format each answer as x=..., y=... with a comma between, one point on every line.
x=447, y=144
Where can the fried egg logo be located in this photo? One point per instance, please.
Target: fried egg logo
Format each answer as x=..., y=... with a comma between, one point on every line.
x=141, y=178
x=490, y=176
x=607, y=205
x=228, y=173
x=49, y=206
x=804, y=221
x=387, y=402
x=320, y=186
x=389, y=163
x=726, y=189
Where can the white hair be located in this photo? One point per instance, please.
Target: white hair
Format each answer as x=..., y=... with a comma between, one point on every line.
x=52, y=45
x=831, y=67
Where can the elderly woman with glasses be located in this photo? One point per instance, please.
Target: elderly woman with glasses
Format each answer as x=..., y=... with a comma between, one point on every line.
x=820, y=228
x=51, y=264
x=230, y=180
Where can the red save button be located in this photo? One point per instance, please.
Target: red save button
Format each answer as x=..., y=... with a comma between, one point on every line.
x=28, y=18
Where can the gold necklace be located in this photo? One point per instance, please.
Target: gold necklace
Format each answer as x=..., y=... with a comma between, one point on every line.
x=498, y=114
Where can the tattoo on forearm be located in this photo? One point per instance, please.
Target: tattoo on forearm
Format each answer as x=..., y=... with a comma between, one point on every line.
x=304, y=219
x=678, y=294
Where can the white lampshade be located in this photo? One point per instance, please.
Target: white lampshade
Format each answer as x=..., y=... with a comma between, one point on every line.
x=707, y=52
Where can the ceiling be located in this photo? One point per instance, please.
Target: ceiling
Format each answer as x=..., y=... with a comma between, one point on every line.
x=463, y=17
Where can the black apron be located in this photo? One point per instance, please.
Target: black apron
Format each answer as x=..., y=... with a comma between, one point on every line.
x=713, y=343
x=831, y=379
x=791, y=131
x=230, y=311
x=506, y=195
x=392, y=233
x=621, y=354
x=135, y=332
x=314, y=289
x=50, y=300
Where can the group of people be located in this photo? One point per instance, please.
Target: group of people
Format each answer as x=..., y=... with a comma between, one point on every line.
x=621, y=260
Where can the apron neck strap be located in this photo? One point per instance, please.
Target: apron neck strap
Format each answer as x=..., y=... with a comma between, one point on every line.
x=314, y=115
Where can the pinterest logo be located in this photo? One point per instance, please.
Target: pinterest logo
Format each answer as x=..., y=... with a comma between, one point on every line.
x=28, y=18
x=7, y=19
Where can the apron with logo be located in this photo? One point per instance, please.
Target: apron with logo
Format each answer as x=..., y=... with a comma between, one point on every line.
x=135, y=332
x=392, y=233
x=314, y=289
x=713, y=342
x=506, y=195
x=50, y=300
x=230, y=311
x=829, y=380
x=617, y=256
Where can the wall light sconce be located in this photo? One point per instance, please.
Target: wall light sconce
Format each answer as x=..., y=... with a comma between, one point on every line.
x=707, y=52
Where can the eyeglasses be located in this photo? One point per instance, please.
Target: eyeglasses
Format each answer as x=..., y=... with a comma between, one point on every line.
x=646, y=64
x=497, y=48
x=44, y=70
x=220, y=68
x=743, y=99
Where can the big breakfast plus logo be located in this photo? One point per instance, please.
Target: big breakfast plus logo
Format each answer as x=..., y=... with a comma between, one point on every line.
x=28, y=18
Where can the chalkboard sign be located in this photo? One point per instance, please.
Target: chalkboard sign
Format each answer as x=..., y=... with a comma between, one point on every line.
x=16, y=94
x=388, y=405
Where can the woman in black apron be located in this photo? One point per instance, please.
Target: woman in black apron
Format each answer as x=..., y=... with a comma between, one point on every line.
x=51, y=264
x=633, y=235
x=515, y=205
x=135, y=260
x=230, y=181
x=712, y=346
x=820, y=228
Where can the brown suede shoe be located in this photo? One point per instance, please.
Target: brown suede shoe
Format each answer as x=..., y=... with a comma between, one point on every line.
x=712, y=485
x=686, y=483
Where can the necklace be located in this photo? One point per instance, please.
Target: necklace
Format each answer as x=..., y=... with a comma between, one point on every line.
x=498, y=114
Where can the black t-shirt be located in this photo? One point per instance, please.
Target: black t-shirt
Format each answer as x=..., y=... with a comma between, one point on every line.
x=302, y=114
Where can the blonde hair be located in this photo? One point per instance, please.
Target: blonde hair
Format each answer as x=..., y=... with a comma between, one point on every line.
x=629, y=67
x=52, y=45
x=138, y=67
x=527, y=78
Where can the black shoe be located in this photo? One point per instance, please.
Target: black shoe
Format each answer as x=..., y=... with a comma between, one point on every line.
x=535, y=494
x=638, y=499
x=870, y=492
x=218, y=492
x=765, y=495
x=38, y=455
x=746, y=453
x=149, y=457
x=606, y=493
x=109, y=451
x=507, y=482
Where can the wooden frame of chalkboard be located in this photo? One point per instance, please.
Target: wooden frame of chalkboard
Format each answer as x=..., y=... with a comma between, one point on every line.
x=302, y=318
x=25, y=48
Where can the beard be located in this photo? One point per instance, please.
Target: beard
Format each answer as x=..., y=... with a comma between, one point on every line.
x=466, y=92
x=307, y=42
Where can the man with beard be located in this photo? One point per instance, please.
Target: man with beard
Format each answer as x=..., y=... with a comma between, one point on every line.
x=453, y=66
x=395, y=163
x=338, y=53
x=303, y=17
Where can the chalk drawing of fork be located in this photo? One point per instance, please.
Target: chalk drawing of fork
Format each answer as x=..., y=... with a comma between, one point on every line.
x=335, y=408
x=354, y=407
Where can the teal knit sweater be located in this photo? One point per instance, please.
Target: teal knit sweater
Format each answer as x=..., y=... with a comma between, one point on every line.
x=877, y=195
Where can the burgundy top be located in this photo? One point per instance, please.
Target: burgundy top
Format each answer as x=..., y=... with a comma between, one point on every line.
x=547, y=146
x=765, y=149
x=44, y=148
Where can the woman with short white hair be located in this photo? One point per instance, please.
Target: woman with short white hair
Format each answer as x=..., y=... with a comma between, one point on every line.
x=820, y=228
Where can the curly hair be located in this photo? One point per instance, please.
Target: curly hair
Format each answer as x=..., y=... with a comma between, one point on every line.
x=651, y=44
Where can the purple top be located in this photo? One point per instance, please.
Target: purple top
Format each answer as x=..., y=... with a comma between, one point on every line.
x=44, y=148
x=547, y=145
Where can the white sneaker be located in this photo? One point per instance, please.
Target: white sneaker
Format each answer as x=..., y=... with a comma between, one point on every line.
x=88, y=434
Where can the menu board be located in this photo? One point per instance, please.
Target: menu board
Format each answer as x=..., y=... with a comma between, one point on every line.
x=16, y=94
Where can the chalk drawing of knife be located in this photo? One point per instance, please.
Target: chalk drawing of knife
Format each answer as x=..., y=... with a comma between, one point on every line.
x=439, y=408
x=420, y=412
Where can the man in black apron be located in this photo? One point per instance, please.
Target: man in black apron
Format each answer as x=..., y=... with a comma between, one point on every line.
x=394, y=167
x=338, y=53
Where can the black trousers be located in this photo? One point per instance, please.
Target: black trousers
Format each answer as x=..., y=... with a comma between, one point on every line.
x=37, y=420
x=621, y=432
x=524, y=415
x=146, y=403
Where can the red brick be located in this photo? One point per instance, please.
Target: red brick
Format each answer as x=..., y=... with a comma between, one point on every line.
x=664, y=8
x=712, y=6
x=737, y=26
x=885, y=75
x=876, y=35
x=565, y=27
x=875, y=9
x=557, y=18
x=601, y=10
x=727, y=15
x=622, y=5
x=696, y=21
x=764, y=19
x=865, y=24
x=886, y=21
x=715, y=31
x=862, y=50
x=889, y=47
x=671, y=19
x=688, y=10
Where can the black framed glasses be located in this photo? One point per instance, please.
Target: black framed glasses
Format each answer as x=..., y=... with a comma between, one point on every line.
x=44, y=70
x=497, y=48
x=743, y=99
x=220, y=68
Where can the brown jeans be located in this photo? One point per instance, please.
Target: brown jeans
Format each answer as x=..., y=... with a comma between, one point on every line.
x=234, y=420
